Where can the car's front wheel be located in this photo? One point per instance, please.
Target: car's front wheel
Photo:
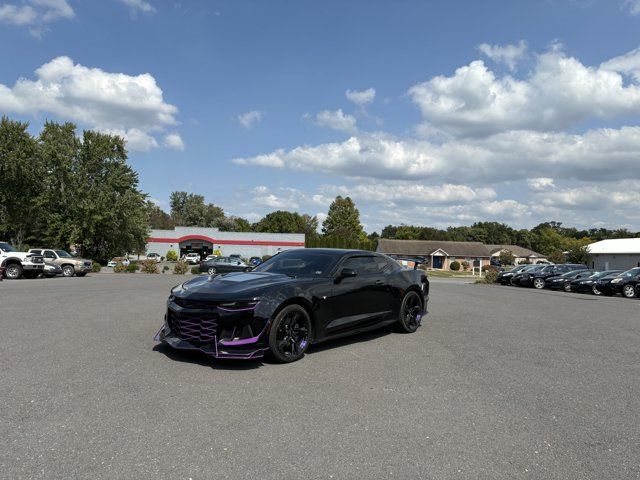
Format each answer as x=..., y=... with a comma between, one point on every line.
x=538, y=283
x=68, y=271
x=13, y=271
x=290, y=334
x=410, y=312
x=595, y=291
x=629, y=291
x=211, y=270
x=567, y=287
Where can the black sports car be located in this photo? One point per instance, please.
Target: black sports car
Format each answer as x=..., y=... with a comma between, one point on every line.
x=589, y=284
x=224, y=265
x=295, y=298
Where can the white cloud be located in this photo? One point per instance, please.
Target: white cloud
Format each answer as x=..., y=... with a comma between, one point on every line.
x=361, y=98
x=597, y=154
x=137, y=139
x=336, y=120
x=139, y=6
x=540, y=184
x=35, y=14
x=173, y=141
x=633, y=6
x=507, y=54
x=249, y=118
x=629, y=63
x=559, y=93
x=129, y=104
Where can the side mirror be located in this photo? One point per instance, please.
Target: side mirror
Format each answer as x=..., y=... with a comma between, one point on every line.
x=348, y=272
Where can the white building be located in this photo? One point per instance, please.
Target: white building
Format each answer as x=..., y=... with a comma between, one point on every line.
x=206, y=241
x=615, y=254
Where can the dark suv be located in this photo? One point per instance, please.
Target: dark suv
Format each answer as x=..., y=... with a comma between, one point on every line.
x=625, y=283
x=539, y=279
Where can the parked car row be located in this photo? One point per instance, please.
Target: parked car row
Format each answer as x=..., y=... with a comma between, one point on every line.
x=47, y=262
x=574, y=278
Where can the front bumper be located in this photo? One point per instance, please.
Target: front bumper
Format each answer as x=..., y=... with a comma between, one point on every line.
x=31, y=267
x=610, y=288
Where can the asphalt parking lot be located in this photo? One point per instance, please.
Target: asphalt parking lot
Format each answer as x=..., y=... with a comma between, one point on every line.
x=499, y=382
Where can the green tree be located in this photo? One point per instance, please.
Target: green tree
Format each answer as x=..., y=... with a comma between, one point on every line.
x=190, y=210
x=579, y=254
x=282, y=221
x=21, y=174
x=343, y=220
x=158, y=218
x=506, y=258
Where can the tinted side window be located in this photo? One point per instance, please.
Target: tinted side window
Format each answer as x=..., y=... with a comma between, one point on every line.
x=363, y=265
x=49, y=254
x=36, y=252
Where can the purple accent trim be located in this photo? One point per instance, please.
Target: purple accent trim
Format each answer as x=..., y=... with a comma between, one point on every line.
x=244, y=341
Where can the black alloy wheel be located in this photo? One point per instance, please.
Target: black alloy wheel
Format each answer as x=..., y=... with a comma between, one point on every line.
x=629, y=291
x=567, y=287
x=595, y=291
x=211, y=270
x=290, y=334
x=410, y=312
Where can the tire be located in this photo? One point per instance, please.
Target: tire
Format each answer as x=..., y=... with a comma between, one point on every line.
x=538, y=283
x=410, y=312
x=80, y=274
x=13, y=271
x=567, y=287
x=290, y=334
x=595, y=291
x=628, y=291
x=68, y=271
x=212, y=271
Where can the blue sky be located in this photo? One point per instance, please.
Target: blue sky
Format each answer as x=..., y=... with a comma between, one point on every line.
x=431, y=113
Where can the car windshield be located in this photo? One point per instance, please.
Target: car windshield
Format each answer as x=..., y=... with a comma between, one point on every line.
x=299, y=263
x=601, y=274
x=63, y=254
x=6, y=247
x=631, y=273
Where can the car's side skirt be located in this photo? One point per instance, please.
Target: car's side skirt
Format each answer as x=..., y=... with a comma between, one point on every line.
x=354, y=331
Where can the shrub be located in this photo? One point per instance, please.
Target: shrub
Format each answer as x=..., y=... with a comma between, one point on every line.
x=165, y=269
x=96, y=267
x=465, y=265
x=149, y=266
x=180, y=268
x=490, y=277
x=119, y=268
x=133, y=267
x=195, y=270
x=455, y=266
x=266, y=257
x=172, y=256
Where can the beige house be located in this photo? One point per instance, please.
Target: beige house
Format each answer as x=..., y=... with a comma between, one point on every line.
x=440, y=254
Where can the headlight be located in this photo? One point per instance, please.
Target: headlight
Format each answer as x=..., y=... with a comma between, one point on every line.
x=240, y=305
x=616, y=280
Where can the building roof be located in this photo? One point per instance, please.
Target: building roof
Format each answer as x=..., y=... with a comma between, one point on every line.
x=517, y=250
x=427, y=247
x=616, y=245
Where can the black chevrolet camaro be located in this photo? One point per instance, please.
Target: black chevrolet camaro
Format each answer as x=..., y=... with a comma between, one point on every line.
x=294, y=299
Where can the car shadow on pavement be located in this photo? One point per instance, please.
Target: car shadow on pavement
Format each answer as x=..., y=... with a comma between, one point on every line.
x=351, y=339
x=199, y=358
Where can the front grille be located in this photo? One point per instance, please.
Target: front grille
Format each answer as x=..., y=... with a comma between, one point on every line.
x=36, y=259
x=87, y=264
x=196, y=328
x=195, y=304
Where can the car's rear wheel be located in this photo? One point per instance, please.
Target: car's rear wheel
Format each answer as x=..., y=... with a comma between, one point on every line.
x=211, y=270
x=13, y=271
x=538, y=283
x=290, y=334
x=595, y=291
x=567, y=287
x=68, y=271
x=629, y=291
x=410, y=312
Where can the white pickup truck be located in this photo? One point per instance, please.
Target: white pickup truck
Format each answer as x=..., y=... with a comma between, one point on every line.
x=18, y=264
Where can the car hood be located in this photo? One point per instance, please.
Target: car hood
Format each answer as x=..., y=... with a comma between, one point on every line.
x=236, y=285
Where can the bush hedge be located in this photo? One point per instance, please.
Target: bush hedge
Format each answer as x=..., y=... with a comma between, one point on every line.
x=149, y=266
x=195, y=270
x=180, y=268
x=172, y=256
x=455, y=266
x=96, y=267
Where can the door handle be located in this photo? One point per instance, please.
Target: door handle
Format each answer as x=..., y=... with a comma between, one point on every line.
x=380, y=282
